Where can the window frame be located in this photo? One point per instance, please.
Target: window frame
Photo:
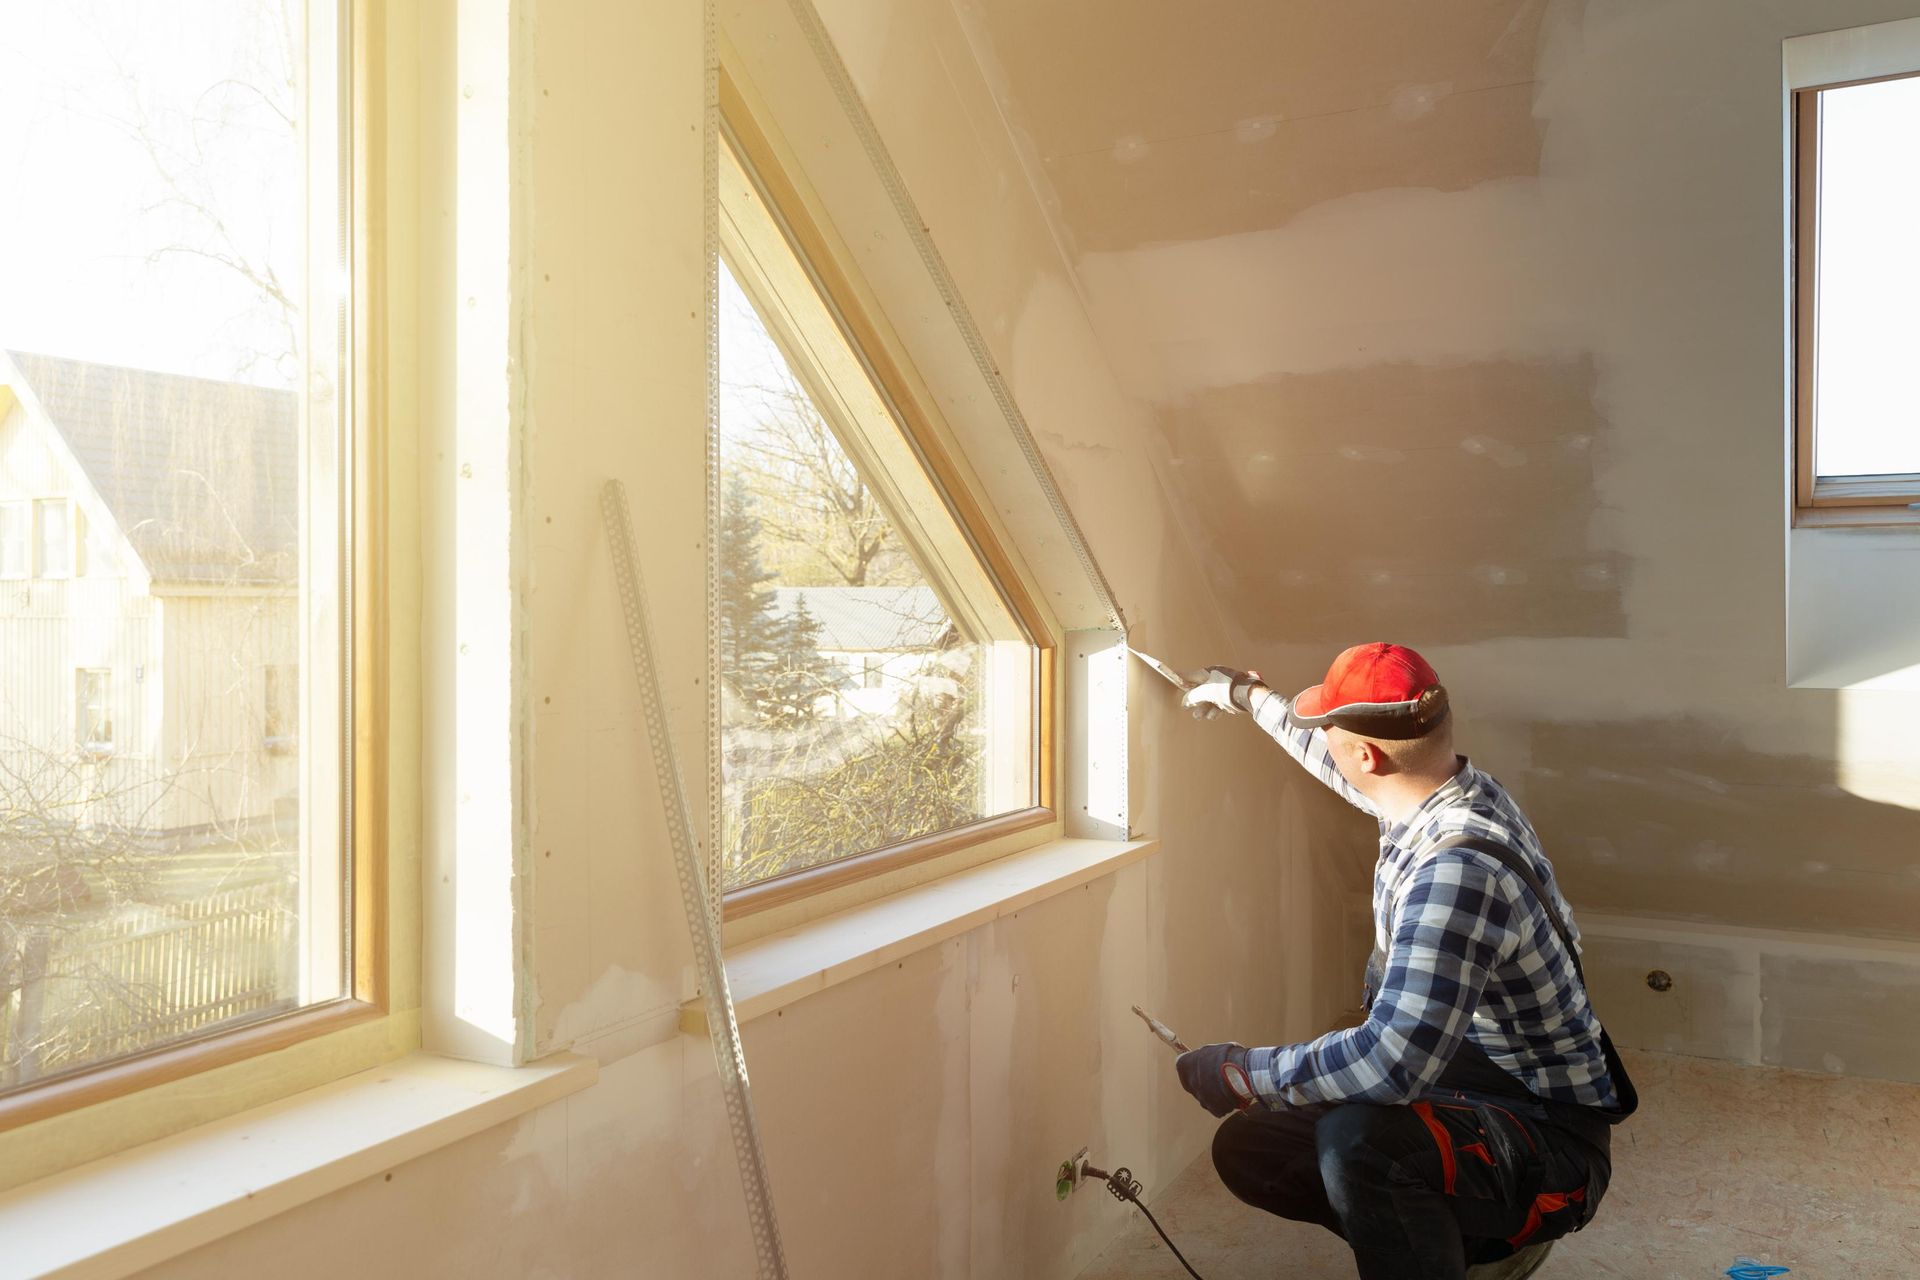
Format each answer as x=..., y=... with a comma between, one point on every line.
x=361, y=417
x=742, y=130
x=1826, y=500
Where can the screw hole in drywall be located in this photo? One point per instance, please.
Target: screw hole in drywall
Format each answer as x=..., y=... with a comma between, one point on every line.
x=1659, y=980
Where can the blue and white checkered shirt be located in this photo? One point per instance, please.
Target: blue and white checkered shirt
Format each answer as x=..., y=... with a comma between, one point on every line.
x=1470, y=952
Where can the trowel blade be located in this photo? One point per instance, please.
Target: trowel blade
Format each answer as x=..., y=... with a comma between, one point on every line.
x=1166, y=672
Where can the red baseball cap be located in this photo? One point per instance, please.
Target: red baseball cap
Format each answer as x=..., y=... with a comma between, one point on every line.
x=1377, y=691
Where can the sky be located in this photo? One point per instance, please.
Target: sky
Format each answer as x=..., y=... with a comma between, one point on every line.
x=1868, y=381
x=87, y=210
x=748, y=359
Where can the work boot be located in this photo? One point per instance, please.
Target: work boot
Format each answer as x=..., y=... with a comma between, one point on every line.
x=1521, y=1264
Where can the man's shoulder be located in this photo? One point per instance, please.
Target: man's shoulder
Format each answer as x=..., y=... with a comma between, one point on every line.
x=1482, y=809
x=1479, y=813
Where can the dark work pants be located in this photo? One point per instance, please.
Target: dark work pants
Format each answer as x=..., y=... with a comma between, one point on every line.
x=1420, y=1191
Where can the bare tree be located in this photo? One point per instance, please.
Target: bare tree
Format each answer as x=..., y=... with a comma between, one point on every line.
x=822, y=520
x=99, y=953
x=815, y=799
x=192, y=151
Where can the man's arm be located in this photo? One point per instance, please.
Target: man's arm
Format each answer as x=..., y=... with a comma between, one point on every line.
x=1450, y=931
x=1308, y=746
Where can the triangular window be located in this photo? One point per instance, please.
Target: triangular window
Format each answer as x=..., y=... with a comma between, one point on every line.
x=876, y=687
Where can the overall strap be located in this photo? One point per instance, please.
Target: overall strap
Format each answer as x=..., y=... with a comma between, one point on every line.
x=1628, y=1096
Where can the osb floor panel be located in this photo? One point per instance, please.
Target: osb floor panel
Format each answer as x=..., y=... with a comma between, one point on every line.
x=1820, y=1174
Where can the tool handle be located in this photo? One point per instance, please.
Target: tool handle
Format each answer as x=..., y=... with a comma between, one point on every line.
x=1161, y=1031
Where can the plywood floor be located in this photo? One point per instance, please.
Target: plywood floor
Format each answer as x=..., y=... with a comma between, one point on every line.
x=1820, y=1174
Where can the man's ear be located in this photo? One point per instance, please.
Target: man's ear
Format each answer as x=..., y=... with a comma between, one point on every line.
x=1369, y=757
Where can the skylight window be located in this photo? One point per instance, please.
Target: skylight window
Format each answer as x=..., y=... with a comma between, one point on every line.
x=1858, y=278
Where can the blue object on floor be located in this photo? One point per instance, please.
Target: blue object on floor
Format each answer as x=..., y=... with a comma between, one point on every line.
x=1748, y=1269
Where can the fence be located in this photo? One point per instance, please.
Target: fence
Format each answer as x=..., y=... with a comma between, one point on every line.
x=85, y=993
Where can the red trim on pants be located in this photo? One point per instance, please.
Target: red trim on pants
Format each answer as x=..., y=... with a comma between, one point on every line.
x=1544, y=1203
x=1441, y=1139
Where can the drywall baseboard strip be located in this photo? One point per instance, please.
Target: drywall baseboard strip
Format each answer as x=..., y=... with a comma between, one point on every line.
x=1807, y=1001
x=131, y=1211
x=1826, y=946
x=772, y=972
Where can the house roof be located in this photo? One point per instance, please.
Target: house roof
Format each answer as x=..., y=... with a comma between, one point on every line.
x=201, y=476
x=869, y=619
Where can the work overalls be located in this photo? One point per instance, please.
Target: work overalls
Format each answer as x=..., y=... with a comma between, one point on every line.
x=1476, y=1169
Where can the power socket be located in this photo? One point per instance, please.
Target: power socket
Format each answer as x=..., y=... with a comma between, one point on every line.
x=1070, y=1175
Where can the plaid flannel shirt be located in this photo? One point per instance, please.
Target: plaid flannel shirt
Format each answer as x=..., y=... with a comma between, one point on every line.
x=1469, y=950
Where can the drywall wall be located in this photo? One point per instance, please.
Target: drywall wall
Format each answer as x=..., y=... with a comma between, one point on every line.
x=1505, y=382
x=913, y=1116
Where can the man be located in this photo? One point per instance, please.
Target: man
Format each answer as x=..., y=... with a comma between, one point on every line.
x=1466, y=1120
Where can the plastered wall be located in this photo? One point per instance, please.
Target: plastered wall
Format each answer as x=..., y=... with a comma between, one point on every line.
x=912, y=1116
x=1464, y=327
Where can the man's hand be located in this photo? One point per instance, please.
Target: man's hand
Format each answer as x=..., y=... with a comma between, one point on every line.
x=1214, y=691
x=1216, y=1074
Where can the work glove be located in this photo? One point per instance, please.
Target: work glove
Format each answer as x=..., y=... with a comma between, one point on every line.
x=1216, y=1074
x=1213, y=692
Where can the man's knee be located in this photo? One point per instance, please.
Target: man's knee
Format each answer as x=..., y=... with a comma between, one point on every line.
x=1348, y=1140
x=1231, y=1142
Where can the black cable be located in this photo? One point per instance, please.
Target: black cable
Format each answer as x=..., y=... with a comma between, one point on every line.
x=1123, y=1186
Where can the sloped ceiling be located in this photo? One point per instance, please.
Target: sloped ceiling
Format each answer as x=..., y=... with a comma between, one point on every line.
x=1159, y=123
x=1258, y=199
x=1462, y=326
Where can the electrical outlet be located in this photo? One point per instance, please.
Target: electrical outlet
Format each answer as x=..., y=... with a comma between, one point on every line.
x=1070, y=1175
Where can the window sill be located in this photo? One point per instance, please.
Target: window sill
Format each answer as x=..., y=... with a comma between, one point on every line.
x=773, y=972
x=134, y=1210
x=1887, y=517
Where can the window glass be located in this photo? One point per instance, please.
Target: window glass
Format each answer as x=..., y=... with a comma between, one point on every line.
x=54, y=521
x=876, y=687
x=15, y=549
x=1867, y=380
x=91, y=713
x=171, y=339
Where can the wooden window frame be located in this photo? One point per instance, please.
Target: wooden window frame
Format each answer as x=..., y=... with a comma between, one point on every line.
x=364, y=878
x=1827, y=500
x=815, y=251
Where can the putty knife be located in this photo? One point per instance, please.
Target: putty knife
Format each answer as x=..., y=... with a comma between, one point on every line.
x=1166, y=672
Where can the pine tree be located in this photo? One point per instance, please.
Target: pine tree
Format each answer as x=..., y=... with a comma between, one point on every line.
x=772, y=662
x=751, y=635
x=800, y=674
